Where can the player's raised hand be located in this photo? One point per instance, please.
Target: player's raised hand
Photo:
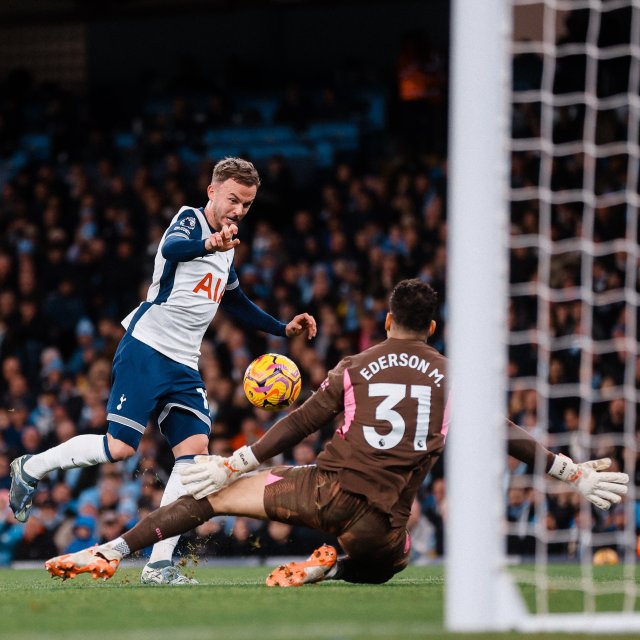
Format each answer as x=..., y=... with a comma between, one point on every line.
x=222, y=240
x=301, y=323
x=600, y=487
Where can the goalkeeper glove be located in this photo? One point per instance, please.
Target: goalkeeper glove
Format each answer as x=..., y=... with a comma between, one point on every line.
x=212, y=473
x=600, y=488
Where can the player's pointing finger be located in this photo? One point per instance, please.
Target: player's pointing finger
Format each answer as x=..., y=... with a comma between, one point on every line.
x=312, y=328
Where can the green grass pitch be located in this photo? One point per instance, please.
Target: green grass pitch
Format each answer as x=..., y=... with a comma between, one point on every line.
x=234, y=604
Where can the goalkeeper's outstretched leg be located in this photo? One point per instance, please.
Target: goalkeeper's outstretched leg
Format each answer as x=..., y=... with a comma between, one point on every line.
x=295, y=495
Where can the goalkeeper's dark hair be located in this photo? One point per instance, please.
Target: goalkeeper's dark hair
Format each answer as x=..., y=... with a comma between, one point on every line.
x=413, y=304
x=242, y=171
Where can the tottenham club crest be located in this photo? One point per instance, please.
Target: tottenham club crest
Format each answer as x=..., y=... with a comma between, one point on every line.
x=189, y=223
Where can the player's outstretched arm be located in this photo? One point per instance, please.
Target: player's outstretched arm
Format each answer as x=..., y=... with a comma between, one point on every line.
x=250, y=315
x=602, y=488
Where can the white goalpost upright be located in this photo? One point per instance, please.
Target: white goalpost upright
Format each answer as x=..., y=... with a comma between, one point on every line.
x=476, y=584
x=481, y=592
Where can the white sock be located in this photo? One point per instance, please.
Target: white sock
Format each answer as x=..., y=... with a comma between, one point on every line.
x=163, y=550
x=119, y=545
x=81, y=451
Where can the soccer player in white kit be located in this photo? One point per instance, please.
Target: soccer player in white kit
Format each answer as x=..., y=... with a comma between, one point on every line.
x=155, y=369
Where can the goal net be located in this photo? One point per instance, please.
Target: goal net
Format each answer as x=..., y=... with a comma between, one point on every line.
x=544, y=281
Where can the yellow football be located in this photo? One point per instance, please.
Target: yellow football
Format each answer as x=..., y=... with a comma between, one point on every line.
x=272, y=382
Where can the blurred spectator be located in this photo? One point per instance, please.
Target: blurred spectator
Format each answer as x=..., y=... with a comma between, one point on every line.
x=422, y=534
x=304, y=453
x=242, y=539
x=110, y=526
x=279, y=539
x=250, y=432
x=5, y=478
x=36, y=541
x=435, y=510
x=83, y=534
x=11, y=531
x=212, y=538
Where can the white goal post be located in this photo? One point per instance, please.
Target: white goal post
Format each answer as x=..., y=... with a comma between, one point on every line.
x=480, y=592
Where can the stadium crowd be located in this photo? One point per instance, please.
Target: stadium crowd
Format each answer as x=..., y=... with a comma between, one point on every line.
x=80, y=221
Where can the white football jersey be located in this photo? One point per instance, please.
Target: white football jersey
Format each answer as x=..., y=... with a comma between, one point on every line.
x=184, y=296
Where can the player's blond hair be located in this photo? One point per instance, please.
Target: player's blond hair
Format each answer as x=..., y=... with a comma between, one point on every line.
x=242, y=171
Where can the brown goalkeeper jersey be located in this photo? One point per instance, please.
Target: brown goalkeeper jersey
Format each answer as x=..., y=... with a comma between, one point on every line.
x=394, y=399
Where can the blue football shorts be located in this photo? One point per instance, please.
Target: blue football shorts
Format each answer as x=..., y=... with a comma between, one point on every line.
x=145, y=383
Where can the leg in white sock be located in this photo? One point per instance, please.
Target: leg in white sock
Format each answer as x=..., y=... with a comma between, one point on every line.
x=81, y=451
x=163, y=550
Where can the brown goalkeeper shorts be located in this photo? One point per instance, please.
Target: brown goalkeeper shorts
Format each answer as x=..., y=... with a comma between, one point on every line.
x=313, y=498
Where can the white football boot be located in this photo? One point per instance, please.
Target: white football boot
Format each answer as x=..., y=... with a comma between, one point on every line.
x=166, y=573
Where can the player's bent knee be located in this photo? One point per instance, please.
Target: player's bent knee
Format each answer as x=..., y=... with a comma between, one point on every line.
x=122, y=441
x=186, y=432
x=119, y=450
x=193, y=445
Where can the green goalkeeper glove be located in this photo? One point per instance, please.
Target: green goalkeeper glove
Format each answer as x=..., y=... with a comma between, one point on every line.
x=601, y=488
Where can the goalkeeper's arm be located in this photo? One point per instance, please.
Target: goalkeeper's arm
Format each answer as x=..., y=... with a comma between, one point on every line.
x=212, y=473
x=526, y=448
x=590, y=478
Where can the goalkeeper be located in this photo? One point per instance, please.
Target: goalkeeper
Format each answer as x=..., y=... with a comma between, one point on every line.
x=395, y=401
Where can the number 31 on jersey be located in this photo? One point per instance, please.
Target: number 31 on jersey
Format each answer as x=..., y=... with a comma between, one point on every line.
x=393, y=394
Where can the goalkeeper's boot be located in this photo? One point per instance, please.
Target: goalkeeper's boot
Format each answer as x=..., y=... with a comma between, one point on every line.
x=100, y=562
x=23, y=488
x=164, y=572
x=295, y=574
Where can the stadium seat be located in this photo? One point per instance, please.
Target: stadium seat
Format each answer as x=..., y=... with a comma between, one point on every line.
x=218, y=151
x=188, y=155
x=325, y=153
x=291, y=151
x=256, y=135
x=343, y=135
x=265, y=106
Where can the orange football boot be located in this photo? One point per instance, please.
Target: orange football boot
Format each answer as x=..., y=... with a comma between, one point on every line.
x=100, y=562
x=295, y=574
